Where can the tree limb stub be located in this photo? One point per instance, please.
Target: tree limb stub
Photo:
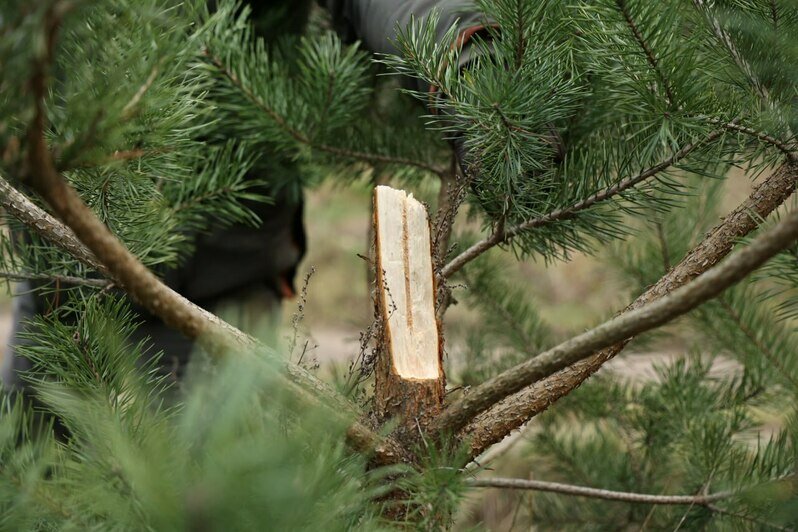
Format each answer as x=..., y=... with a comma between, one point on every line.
x=409, y=374
x=493, y=425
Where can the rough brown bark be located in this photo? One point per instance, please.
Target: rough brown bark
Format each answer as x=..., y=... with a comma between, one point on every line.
x=494, y=424
x=409, y=373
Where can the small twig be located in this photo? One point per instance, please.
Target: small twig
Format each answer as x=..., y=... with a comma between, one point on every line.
x=299, y=315
x=65, y=279
x=703, y=491
x=663, y=244
x=773, y=358
x=130, y=107
x=649, y=53
x=790, y=150
x=595, y=493
x=724, y=37
x=750, y=519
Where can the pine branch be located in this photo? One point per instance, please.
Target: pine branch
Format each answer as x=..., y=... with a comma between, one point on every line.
x=224, y=336
x=58, y=279
x=493, y=425
x=125, y=270
x=724, y=37
x=790, y=150
x=385, y=450
x=623, y=327
x=595, y=493
x=774, y=14
x=502, y=235
x=373, y=158
x=750, y=519
x=762, y=348
x=649, y=53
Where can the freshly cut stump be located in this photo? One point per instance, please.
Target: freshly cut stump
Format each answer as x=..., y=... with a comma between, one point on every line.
x=409, y=374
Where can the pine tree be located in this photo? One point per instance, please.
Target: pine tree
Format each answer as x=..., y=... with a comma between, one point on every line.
x=601, y=127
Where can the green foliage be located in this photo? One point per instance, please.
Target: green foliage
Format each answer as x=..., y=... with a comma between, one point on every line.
x=234, y=452
x=685, y=432
x=510, y=328
x=589, y=121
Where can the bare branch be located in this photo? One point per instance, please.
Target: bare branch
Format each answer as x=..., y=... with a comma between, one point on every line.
x=492, y=426
x=625, y=326
x=566, y=213
x=595, y=493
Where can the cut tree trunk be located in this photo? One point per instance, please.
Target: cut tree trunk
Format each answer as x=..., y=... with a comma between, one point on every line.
x=409, y=373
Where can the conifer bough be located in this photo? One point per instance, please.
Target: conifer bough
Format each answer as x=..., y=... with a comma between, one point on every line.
x=634, y=322
x=497, y=422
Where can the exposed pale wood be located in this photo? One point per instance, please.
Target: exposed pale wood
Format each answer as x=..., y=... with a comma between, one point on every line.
x=409, y=374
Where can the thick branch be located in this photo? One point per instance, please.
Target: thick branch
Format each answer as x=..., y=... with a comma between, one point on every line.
x=43, y=224
x=492, y=426
x=595, y=493
x=625, y=326
x=106, y=253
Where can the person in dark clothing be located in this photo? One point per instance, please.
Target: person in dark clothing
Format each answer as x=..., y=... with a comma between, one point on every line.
x=243, y=273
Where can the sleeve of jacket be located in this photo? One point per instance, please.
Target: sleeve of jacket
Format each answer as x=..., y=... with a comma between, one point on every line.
x=374, y=22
